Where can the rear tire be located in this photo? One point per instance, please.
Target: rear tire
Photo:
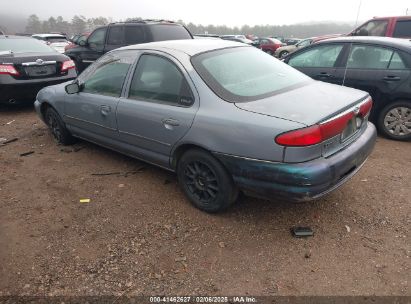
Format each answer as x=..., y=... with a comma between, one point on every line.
x=58, y=128
x=206, y=183
x=394, y=121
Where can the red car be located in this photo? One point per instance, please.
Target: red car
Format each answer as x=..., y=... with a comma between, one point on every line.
x=398, y=27
x=268, y=45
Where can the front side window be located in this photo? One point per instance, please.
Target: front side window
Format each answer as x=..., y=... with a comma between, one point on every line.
x=373, y=28
x=97, y=38
x=369, y=57
x=107, y=77
x=322, y=56
x=157, y=79
x=245, y=73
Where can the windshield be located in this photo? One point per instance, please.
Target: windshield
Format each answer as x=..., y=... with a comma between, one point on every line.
x=24, y=45
x=246, y=74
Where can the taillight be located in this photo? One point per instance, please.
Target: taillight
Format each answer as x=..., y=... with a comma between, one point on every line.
x=301, y=137
x=67, y=65
x=317, y=133
x=365, y=108
x=8, y=69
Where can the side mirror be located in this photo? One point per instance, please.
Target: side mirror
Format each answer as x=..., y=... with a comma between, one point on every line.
x=72, y=88
x=82, y=43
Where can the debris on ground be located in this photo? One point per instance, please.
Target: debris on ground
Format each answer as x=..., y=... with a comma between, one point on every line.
x=348, y=228
x=10, y=122
x=125, y=174
x=221, y=244
x=300, y=232
x=5, y=142
x=26, y=153
x=85, y=200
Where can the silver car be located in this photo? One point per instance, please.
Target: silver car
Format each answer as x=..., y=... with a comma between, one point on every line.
x=224, y=116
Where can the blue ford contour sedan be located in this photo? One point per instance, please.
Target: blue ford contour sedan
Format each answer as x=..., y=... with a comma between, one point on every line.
x=226, y=117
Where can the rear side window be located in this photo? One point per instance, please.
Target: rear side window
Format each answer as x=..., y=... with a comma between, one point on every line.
x=157, y=79
x=161, y=32
x=323, y=56
x=403, y=29
x=134, y=35
x=107, y=77
x=115, y=35
x=369, y=57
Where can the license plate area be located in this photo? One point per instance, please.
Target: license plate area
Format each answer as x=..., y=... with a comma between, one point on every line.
x=354, y=124
x=40, y=71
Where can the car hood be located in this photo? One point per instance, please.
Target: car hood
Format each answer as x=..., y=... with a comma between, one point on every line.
x=287, y=48
x=308, y=104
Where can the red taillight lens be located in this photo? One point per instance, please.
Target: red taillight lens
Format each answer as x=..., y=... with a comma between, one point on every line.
x=301, y=137
x=315, y=134
x=335, y=126
x=365, y=108
x=67, y=65
x=8, y=69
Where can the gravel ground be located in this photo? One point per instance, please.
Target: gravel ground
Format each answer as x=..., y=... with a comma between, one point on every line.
x=139, y=235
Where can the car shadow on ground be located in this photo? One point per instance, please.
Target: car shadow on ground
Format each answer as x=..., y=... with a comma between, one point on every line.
x=25, y=107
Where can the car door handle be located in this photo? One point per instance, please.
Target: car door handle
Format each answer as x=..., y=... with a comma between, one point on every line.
x=392, y=78
x=105, y=110
x=325, y=75
x=170, y=122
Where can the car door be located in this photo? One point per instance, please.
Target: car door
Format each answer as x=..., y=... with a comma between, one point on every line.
x=376, y=69
x=91, y=113
x=320, y=62
x=94, y=48
x=159, y=109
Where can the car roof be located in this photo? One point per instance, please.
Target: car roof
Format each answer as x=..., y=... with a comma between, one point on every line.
x=403, y=44
x=190, y=47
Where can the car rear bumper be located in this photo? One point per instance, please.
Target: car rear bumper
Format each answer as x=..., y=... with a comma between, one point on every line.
x=299, y=182
x=26, y=90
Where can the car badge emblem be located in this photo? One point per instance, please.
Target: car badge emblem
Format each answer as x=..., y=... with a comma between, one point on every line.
x=39, y=61
x=356, y=110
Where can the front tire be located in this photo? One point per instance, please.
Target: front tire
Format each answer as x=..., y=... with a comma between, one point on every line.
x=58, y=128
x=206, y=183
x=283, y=54
x=394, y=120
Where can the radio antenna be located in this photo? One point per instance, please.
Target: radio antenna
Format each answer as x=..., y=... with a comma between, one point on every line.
x=349, y=52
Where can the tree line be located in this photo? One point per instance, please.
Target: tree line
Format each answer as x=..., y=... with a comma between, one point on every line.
x=81, y=24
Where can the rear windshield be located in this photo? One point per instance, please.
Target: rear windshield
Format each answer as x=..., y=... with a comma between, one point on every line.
x=161, y=32
x=246, y=74
x=24, y=45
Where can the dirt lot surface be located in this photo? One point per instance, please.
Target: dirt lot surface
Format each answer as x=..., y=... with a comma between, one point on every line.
x=140, y=235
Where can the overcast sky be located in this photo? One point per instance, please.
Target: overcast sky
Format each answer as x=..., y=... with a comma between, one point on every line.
x=216, y=12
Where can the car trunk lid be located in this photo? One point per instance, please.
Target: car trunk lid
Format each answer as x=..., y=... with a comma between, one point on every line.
x=309, y=104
